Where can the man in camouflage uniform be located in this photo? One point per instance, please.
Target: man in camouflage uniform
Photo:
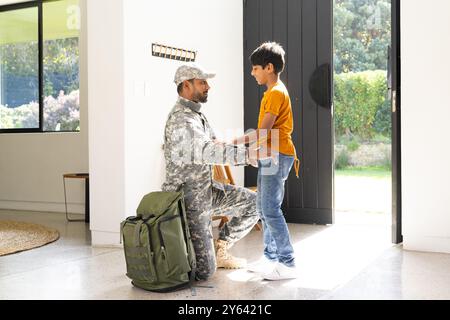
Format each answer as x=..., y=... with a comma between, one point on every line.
x=190, y=151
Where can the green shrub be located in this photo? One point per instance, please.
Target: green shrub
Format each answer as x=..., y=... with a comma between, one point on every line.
x=383, y=122
x=342, y=159
x=353, y=145
x=380, y=138
x=360, y=104
x=60, y=114
x=386, y=163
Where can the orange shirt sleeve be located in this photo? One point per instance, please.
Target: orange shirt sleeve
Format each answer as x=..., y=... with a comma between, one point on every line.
x=274, y=102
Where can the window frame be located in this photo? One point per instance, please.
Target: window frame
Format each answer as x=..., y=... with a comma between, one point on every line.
x=39, y=5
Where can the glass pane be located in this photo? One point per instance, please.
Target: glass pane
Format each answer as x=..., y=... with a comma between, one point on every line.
x=19, y=69
x=61, y=65
x=362, y=114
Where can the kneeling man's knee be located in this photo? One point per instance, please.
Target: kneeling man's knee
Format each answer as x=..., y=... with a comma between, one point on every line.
x=206, y=266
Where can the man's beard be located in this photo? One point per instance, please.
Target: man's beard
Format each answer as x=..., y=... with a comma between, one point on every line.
x=201, y=97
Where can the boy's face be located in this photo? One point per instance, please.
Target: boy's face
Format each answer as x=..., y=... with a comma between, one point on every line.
x=261, y=74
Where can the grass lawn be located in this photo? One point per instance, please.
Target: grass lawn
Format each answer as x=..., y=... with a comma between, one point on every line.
x=367, y=172
x=363, y=190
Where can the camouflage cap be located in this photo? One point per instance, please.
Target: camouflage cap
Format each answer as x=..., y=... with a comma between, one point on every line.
x=191, y=71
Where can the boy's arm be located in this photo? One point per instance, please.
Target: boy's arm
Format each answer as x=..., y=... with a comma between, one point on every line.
x=245, y=139
x=266, y=125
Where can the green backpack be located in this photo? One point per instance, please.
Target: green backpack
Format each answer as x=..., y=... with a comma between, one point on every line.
x=158, y=249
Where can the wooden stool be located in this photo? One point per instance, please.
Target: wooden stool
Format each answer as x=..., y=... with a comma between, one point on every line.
x=84, y=176
x=223, y=175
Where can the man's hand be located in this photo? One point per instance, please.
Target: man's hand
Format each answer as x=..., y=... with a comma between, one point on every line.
x=249, y=137
x=217, y=142
x=262, y=153
x=238, y=141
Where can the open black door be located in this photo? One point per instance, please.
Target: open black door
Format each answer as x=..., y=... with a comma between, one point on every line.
x=394, y=79
x=305, y=29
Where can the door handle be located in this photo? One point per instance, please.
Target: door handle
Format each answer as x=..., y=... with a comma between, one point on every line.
x=394, y=101
x=320, y=86
x=389, y=71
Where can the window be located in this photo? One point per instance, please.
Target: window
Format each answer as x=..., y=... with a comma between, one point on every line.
x=19, y=69
x=39, y=66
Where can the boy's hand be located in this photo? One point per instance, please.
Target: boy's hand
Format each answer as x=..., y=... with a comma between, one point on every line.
x=253, y=162
x=267, y=153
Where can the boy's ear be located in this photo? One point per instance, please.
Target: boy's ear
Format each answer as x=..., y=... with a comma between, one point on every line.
x=270, y=67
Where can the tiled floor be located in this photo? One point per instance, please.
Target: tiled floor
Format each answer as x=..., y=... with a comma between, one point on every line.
x=351, y=260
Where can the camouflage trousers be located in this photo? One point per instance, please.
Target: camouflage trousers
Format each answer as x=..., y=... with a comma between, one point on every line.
x=239, y=205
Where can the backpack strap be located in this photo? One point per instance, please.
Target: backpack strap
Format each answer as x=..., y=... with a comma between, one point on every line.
x=121, y=230
x=137, y=233
x=180, y=187
x=188, y=241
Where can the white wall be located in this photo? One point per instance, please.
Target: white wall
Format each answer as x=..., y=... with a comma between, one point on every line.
x=126, y=129
x=106, y=119
x=32, y=165
x=425, y=124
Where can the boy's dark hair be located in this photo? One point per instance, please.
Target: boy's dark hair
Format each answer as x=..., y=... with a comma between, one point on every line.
x=180, y=86
x=269, y=52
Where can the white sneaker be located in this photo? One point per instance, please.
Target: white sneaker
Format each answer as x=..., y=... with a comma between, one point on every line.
x=281, y=272
x=263, y=265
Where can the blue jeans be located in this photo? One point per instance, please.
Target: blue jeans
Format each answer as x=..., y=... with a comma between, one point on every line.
x=271, y=179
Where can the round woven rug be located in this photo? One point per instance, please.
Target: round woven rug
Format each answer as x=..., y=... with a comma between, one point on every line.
x=18, y=236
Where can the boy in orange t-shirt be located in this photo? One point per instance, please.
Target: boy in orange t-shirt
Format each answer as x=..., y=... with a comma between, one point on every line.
x=275, y=126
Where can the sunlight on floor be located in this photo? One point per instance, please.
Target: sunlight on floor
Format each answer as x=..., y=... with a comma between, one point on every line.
x=332, y=257
x=363, y=194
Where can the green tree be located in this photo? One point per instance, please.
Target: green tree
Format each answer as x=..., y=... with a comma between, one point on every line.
x=360, y=99
x=61, y=63
x=362, y=34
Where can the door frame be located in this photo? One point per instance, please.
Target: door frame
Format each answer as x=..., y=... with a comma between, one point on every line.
x=394, y=66
x=395, y=85
x=397, y=236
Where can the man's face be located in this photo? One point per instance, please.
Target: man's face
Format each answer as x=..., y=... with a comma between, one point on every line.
x=199, y=90
x=260, y=74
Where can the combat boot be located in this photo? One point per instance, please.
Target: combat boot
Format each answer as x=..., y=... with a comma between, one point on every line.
x=225, y=259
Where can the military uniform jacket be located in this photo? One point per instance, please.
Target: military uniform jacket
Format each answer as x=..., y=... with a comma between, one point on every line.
x=190, y=150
